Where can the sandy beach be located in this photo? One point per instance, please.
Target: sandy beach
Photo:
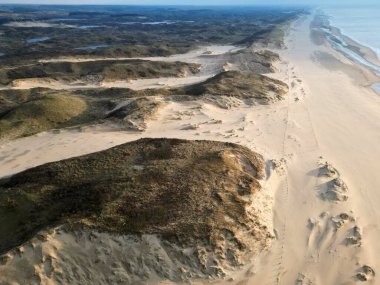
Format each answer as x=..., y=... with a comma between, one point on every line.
x=325, y=218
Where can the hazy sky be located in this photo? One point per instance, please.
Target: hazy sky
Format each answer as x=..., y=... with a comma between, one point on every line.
x=190, y=2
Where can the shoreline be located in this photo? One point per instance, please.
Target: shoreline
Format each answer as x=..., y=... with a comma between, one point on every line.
x=353, y=50
x=341, y=114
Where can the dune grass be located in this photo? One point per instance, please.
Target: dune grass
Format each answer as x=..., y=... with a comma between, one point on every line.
x=96, y=71
x=238, y=84
x=39, y=115
x=179, y=189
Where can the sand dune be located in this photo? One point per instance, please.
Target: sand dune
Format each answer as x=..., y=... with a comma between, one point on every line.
x=211, y=59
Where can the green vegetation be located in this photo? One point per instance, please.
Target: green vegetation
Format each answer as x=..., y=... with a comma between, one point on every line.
x=128, y=31
x=101, y=31
x=244, y=85
x=179, y=189
x=97, y=71
x=40, y=114
x=27, y=112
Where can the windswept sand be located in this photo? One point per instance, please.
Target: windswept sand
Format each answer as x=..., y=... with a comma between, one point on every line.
x=325, y=218
x=137, y=84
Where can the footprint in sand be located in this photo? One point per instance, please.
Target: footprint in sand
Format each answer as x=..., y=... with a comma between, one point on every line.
x=322, y=233
x=302, y=279
x=354, y=236
x=328, y=231
x=328, y=170
x=335, y=189
x=365, y=273
x=279, y=165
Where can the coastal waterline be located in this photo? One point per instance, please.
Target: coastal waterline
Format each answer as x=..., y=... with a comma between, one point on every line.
x=338, y=43
x=361, y=25
x=376, y=87
x=358, y=23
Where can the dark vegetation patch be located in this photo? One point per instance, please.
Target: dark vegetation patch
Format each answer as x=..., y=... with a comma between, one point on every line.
x=258, y=62
x=182, y=190
x=243, y=85
x=129, y=36
x=40, y=114
x=27, y=112
x=97, y=71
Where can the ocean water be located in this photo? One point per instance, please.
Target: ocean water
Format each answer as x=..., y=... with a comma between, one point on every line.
x=340, y=44
x=361, y=24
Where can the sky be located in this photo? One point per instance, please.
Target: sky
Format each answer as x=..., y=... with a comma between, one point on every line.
x=190, y=2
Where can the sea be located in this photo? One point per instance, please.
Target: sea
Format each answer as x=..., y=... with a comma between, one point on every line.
x=361, y=24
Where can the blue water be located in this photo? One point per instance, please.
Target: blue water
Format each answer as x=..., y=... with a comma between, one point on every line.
x=362, y=24
x=340, y=44
x=2, y=54
x=92, y=47
x=37, y=40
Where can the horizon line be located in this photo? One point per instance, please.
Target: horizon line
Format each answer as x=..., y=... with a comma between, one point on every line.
x=157, y=5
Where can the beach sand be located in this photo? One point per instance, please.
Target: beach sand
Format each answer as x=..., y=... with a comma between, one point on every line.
x=325, y=218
